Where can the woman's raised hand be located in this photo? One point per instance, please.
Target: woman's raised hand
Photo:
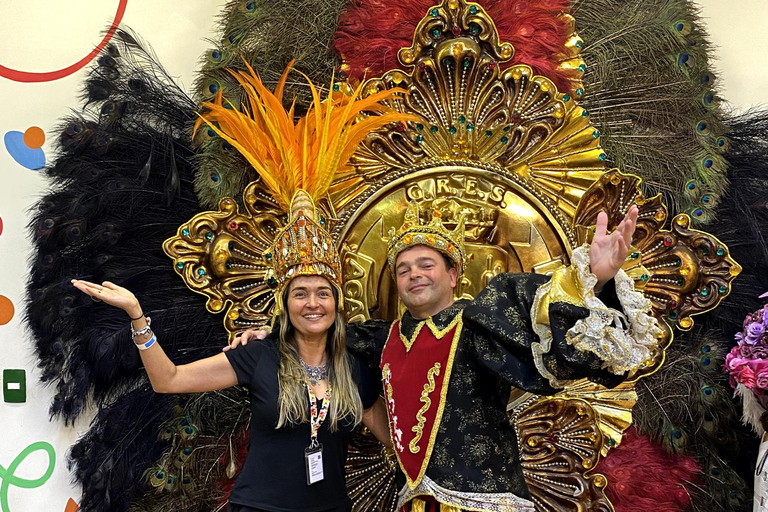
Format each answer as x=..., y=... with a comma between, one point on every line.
x=111, y=294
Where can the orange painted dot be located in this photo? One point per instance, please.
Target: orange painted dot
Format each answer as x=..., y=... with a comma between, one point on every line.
x=71, y=506
x=34, y=137
x=6, y=310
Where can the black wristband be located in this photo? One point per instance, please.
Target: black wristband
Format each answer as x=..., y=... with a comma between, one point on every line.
x=138, y=317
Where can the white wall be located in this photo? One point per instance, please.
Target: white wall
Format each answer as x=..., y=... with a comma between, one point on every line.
x=738, y=29
x=40, y=35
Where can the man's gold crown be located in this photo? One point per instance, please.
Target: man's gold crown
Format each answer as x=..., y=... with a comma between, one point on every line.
x=432, y=234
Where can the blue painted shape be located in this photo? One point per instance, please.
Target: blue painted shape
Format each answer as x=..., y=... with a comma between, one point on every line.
x=33, y=159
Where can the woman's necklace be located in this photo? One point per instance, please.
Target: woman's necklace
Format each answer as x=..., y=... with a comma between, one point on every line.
x=315, y=373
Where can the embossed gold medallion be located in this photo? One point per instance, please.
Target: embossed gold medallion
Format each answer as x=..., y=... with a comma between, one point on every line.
x=507, y=230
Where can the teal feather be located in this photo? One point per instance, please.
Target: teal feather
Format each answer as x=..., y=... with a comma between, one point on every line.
x=644, y=87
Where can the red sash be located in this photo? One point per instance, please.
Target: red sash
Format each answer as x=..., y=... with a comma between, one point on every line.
x=416, y=375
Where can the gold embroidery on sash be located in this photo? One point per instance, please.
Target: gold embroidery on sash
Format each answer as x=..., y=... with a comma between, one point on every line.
x=395, y=433
x=428, y=388
x=413, y=483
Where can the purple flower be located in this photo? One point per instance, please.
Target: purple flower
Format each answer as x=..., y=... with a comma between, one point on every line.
x=754, y=331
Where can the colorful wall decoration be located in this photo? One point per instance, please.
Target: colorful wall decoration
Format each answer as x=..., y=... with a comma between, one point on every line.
x=26, y=147
x=9, y=478
x=45, y=53
x=26, y=76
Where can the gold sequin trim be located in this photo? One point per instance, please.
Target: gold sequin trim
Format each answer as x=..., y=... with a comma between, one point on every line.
x=394, y=433
x=601, y=333
x=436, y=331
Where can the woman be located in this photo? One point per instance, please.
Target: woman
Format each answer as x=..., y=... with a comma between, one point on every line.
x=306, y=359
x=306, y=393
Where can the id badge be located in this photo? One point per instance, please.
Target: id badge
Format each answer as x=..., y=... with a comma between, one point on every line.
x=314, y=459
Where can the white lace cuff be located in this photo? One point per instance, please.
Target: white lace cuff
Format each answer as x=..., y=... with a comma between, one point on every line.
x=602, y=332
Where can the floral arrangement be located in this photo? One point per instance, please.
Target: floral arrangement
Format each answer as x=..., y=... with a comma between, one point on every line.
x=747, y=366
x=747, y=363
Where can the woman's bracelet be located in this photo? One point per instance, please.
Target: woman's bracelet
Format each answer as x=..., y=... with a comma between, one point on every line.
x=144, y=330
x=138, y=317
x=145, y=346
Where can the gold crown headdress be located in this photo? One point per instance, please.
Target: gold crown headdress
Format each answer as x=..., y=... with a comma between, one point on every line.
x=432, y=234
x=297, y=163
x=303, y=248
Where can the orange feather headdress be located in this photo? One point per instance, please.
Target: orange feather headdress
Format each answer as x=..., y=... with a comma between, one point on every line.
x=297, y=162
x=305, y=155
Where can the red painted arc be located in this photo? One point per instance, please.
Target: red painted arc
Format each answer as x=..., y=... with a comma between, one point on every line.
x=29, y=77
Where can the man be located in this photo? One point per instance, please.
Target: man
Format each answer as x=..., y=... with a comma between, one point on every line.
x=447, y=365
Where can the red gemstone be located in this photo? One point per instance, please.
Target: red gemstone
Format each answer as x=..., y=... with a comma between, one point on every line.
x=516, y=117
x=233, y=225
x=400, y=127
x=667, y=241
x=302, y=222
x=422, y=66
x=492, y=66
x=672, y=304
x=553, y=437
x=456, y=30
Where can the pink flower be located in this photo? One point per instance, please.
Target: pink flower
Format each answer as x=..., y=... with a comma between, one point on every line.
x=762, y=378
x=747, y=377
x=734, y=360
x=753, y=352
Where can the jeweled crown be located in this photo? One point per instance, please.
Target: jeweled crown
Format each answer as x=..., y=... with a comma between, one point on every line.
x=432, y=234
x=302, y=248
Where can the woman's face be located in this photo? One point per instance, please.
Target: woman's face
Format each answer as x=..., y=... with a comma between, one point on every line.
x=311, y=306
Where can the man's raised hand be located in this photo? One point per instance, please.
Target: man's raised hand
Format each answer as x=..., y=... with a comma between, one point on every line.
x=608, y=252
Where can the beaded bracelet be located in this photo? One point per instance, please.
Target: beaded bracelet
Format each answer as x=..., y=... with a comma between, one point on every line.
x=145, y=346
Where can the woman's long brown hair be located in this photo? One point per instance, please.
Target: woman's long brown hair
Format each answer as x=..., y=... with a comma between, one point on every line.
x=345, y=399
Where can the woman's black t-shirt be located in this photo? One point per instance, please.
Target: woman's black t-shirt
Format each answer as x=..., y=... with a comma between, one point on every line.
x=274, y=474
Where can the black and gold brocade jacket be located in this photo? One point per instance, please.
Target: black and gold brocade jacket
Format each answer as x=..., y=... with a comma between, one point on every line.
x=475, y=458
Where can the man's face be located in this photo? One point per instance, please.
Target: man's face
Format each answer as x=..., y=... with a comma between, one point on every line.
x=424, y=283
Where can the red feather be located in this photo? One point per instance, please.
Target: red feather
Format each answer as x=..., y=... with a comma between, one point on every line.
x=371, y=32
x=642, y=476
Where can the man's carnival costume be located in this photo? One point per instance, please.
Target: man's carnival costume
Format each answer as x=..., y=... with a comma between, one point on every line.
x=447, y=378
x=511, y=140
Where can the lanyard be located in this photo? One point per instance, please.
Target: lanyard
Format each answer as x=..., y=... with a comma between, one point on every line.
x=317, y=417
